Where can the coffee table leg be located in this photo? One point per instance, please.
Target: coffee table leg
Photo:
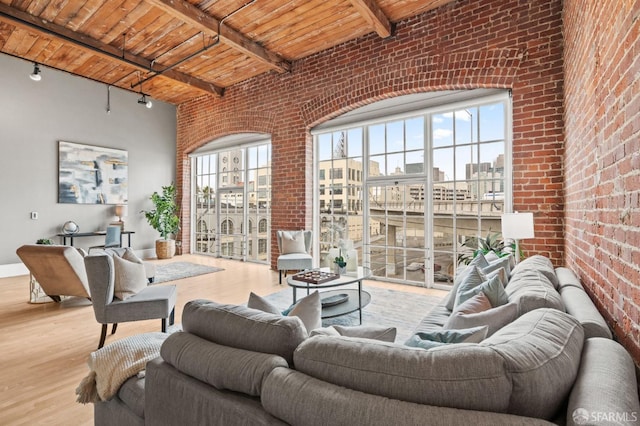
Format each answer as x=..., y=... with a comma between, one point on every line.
x=294, y=294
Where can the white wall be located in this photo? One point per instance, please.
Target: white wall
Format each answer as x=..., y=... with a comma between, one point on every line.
x=34, y=116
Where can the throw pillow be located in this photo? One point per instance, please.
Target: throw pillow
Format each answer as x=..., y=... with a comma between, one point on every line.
x=259, y=303
x=477, y=303
x=471, y=280
x=491, y=255
x=500, y=273
x=494, y=318
x=503, y=262
x=428, y=340
x=130, y=255
x=462, y=277
x=493, y=289
x=130, y=278
x=384, y=334
x=308, y=309
x=292, y=242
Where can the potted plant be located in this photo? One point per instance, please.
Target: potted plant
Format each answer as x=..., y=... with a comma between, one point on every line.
x=164, y=219
x=44, y=241
x=340, y=264
x=476, y=245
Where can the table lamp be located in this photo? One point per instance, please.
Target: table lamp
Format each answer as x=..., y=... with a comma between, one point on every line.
x=517, y=226
x=121, y=211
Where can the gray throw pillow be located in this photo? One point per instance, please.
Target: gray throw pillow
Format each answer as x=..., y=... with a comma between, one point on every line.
x=384, y=334
x=494, y=318
x=493, y=289
x=428, y=340
x=472, y=279
x=308, y=309
x=503, y=262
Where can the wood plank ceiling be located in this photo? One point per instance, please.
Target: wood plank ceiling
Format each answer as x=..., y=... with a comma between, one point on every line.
x=176, y=50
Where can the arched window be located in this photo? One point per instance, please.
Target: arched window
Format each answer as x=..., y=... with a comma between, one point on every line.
x=226, y=227
x=262, y=225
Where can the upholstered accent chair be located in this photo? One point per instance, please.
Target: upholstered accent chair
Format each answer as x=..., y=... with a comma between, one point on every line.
x=58, y=269
x=294, y=248
x=142, y=302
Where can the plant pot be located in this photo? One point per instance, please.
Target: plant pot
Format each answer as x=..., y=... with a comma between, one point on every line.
x=339, y=270
x=165, y=249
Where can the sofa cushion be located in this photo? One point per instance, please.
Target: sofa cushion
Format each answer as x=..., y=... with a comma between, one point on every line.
x=464, y=375
x=531, y=290
x=541, y=351
x=444, y=337
x=434, y=320
x=319, y=403
x=244, y=371
x=131, y=393
x=308, y=309
x=538, y=263
x=244, y=328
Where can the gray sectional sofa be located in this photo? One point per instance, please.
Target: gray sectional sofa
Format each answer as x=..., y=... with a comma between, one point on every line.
x=554, y=364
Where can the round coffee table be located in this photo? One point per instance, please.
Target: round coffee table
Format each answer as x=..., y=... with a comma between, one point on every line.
x=337, y=302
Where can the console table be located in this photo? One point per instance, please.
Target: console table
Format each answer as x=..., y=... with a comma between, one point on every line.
x=94, y=234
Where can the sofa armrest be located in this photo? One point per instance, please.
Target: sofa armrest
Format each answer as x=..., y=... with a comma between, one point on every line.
x=605, y=391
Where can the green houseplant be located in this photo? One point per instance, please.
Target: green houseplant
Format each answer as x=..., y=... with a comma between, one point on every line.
x=164, y=219
x=493, y=242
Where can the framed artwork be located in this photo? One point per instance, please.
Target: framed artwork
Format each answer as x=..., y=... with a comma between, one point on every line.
x=91, y=174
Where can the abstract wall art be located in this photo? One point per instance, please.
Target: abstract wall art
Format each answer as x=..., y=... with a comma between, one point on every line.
x=91, y=174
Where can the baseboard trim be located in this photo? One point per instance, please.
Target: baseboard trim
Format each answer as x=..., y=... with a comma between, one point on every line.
x=13, y=270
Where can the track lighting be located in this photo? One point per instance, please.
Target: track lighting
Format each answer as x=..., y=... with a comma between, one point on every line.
x=143, y=101
x=35, y=75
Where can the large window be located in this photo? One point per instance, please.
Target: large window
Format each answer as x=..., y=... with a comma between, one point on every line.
x=411, y=188
x=233, y=188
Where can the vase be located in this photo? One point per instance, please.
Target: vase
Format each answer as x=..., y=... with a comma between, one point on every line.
x=337, y=269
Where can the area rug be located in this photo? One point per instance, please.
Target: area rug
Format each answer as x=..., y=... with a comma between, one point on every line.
x=178, y=270
x=387, y=308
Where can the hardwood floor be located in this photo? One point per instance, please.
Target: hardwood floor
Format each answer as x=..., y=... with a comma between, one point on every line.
x=44, y=347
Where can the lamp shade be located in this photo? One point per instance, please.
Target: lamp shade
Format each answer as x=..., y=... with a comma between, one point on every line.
x=517, y=226
x=121, y=210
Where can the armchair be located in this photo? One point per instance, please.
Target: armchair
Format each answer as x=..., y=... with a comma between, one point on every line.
x=58, y=269
x=294, y=248
x=151, y=302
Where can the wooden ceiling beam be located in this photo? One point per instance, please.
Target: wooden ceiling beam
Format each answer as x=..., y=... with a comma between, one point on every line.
x=104, y=50
x=209, y=25
x=372, y=13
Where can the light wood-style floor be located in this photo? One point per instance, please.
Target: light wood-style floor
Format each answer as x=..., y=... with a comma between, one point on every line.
x=44, y=347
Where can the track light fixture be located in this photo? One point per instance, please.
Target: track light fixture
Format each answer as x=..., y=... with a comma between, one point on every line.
x=35, y=75
x=143, y=101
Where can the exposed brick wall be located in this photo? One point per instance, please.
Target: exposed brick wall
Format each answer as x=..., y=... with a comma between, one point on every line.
x=602, y=159
x=466, y=44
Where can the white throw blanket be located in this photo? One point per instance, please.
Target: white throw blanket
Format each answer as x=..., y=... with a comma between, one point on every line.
x=113, y=364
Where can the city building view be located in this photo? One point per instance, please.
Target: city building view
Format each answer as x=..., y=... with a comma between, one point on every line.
x=405, y=224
